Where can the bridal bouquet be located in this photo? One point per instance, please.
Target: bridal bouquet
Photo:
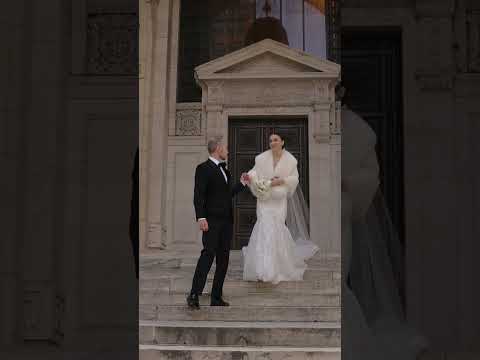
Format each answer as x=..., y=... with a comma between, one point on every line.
x=261, y=188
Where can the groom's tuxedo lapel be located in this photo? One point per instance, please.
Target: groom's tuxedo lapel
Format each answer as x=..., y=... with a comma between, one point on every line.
x=227, y=172
x=218, y=171
x=228, y=175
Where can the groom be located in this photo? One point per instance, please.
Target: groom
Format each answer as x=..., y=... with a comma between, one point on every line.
x=213, y=207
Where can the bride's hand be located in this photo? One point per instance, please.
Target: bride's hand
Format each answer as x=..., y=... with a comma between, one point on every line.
x=276, y=181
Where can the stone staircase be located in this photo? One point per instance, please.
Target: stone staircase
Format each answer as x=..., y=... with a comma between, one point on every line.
x=291, y=320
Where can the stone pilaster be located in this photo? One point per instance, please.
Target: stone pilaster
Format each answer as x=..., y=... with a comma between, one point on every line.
x=156, y=32
x=12, y=94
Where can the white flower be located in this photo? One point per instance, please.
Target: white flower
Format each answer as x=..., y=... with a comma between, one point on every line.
x=262, y=188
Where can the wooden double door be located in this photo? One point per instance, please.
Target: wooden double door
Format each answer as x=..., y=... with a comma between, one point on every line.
x=249, y=137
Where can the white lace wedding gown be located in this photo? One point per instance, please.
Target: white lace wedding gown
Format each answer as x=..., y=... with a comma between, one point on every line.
x=272, y=255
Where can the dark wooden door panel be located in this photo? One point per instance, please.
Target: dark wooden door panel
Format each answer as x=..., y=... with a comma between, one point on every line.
x=248, y=138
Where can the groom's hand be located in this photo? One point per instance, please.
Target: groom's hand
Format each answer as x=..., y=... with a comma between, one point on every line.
x=203, y=224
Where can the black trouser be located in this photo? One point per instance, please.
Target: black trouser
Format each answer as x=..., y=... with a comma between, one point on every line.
x=216, y=244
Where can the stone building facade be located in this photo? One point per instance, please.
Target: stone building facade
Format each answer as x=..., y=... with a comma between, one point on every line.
x=439, y=87
x=44, y=164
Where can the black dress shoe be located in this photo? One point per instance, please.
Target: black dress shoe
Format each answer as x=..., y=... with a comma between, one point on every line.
x=192, y=301
x=218, y=302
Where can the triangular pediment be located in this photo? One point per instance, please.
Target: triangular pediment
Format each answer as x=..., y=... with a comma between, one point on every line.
x=267, y=58
x=268, y=62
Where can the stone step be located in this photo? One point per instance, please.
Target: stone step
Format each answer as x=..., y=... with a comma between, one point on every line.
x=235, y=312
x=177, y=352
x=152, y=272
x=213, y=333
x=153, y=296
x=235, y=287
x=179, y=259
x=189, y=263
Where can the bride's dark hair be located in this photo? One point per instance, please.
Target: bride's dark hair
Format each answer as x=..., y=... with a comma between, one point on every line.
x=281, y=138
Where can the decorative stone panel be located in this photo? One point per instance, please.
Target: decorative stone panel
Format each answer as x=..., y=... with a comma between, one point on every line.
x=188, y=120
x=112, y=44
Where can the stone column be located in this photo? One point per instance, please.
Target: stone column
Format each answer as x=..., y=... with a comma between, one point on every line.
x=323, y=175
x=145, y=65
x=336, y=168
x=156, y=30
x=40, y=176
x=12, y=94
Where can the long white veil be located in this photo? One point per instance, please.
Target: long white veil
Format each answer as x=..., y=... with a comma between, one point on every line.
x=297, y=221
x=374, y=325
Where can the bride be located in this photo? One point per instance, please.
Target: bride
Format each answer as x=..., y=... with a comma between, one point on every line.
x=279, y=243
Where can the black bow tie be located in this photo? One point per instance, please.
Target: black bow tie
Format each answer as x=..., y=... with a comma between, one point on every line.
x=223, y=165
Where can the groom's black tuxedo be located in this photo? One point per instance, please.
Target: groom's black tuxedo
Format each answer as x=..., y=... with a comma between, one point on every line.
x=212, y=194
x=213, y=200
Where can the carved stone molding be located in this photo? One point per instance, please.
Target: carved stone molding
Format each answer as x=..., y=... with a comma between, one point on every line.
x=215, y=92
x=336, y=124
x=322, y=117
x=188, y=120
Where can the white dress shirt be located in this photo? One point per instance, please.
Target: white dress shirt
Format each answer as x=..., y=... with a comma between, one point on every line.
x=221, y=168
